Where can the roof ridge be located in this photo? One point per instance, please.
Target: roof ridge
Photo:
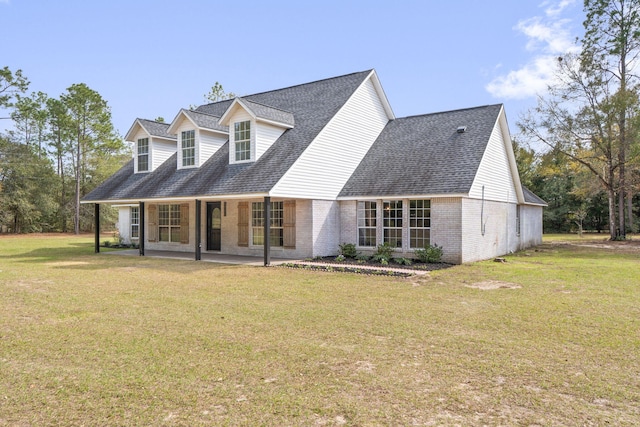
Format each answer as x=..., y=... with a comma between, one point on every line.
x=153, y=121
x=291, y=87
x=450, y=111
x=264, y=105
x=199, y=112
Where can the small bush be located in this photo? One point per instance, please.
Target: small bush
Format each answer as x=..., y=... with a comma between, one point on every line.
x=403, y=261
x=348, y=250
x=340, y=258
x=362, y=258
x=430, y=253
x=383, y=253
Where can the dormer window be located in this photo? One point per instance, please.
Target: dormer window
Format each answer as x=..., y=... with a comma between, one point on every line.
x=242, y=137
x=143, y=154
x=188, y=140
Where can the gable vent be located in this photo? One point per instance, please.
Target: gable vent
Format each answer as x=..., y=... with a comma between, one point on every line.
x=461, y=129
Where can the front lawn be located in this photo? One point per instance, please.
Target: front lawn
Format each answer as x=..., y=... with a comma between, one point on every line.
x=549, y=337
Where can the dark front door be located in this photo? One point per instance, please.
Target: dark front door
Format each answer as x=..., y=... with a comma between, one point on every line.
x=214, y=222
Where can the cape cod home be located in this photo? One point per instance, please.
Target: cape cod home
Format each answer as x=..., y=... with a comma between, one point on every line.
x=294, y=172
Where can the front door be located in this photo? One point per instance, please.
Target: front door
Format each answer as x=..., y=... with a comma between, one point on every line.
x=214, y=222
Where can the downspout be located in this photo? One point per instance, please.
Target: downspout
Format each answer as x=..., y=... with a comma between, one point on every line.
x=482, y=225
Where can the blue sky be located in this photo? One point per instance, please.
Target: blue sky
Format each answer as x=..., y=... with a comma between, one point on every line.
x=151, y=58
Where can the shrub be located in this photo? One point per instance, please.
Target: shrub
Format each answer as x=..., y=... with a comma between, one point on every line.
x=348, y=250
x=340, y=258
x=383, y=253
x=430, y=253
x=403, y=261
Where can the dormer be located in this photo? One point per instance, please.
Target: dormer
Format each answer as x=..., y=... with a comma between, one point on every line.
x=198, y=137
x=253, y=128
x=152, y=144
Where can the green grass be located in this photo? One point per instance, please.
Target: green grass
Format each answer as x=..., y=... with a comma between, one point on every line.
x=105, y=339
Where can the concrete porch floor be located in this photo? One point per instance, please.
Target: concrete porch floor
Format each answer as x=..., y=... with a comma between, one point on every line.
x=206, y=257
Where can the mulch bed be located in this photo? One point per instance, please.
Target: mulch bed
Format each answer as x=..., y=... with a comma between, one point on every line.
x=348, y=265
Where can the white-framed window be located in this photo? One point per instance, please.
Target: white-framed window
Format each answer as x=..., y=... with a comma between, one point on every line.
x=367, y=224
x=143, y=154
x=169, y=223
x=135, y=222
x=392, y=222
x=188, y=139
x=419, y=223
x=242, y=138
x=276, y=224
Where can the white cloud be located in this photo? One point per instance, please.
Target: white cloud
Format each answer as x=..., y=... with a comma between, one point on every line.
x=548, y=38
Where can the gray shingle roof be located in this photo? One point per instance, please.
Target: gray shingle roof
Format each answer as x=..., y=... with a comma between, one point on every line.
x=531, y=198
x=312, y=105
x=269, y=113
x=423, y=155
x=205, y=120
x=156, y=128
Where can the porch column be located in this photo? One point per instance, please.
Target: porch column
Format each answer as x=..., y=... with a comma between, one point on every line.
x=198, y=230
x=96, y=217
x=267, y=231
x=141, y=227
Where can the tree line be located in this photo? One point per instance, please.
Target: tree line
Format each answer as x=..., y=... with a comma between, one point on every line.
x=58, y=150
x=589, y=122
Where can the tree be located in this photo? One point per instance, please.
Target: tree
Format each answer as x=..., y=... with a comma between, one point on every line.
x=26, y=187
x=217, y=93
x=591, y=113
x=11, y=84
x=30, y=118
x=89, y=120
x=59, y=135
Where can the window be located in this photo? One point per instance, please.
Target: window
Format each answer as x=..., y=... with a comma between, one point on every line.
x=367, y=224
x=276, y=225
x=143, y=154
x=188, y=139
x=419, y=223
x=169, y=223
x=392, y=222
x=242, y=137
x=135, y=222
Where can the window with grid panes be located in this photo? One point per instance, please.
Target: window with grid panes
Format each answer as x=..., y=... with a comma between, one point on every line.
x=143, y=154
x=367, y=223
x=169, y=223
x=188, y=139
x=392, y=222
x=276, y=224
x=242, y=138
x=135, y=222
x=419, y=223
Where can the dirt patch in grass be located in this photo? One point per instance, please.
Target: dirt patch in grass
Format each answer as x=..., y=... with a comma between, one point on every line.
x=623, y=246
x=489, y=285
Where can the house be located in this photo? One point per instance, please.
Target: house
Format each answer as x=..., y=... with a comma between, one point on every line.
x=295, y=172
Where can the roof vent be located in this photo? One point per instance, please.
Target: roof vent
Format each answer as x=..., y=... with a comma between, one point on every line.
x=461, y=129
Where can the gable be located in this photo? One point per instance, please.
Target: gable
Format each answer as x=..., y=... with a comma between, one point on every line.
x=329, y=161
x=495, y=178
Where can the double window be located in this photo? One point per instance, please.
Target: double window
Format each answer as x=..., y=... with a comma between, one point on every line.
x=276, y=224
x=169, y=223
x=135, y=222
x=188, y=139
x=242, y=138
x=143, y=154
